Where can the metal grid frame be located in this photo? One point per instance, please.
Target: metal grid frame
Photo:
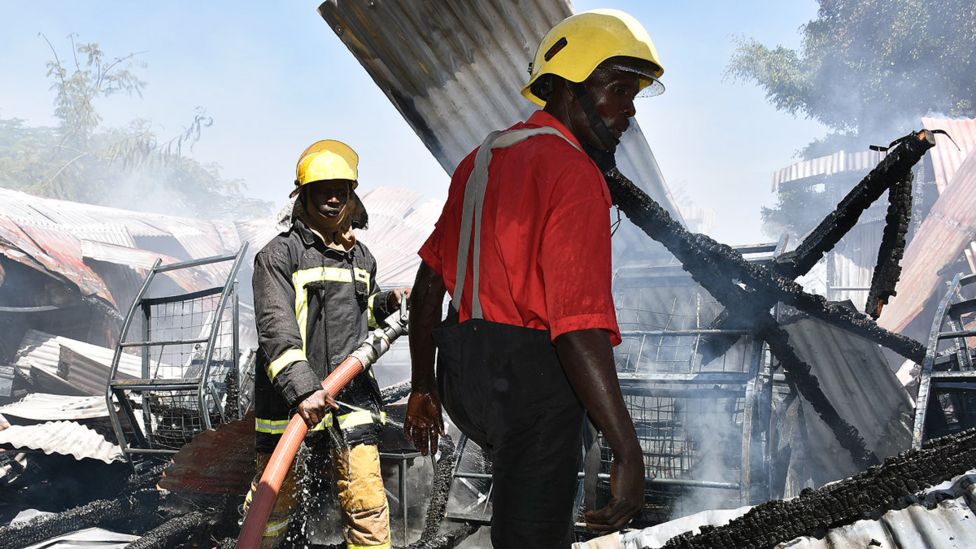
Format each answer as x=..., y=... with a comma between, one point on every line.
x=190, y=349
x=703, y=426
x=946, y=400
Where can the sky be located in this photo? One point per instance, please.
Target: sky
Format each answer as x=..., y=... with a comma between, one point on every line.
x=275, y=78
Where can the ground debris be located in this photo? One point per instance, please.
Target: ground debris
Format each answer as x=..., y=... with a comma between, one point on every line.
x=85, y=516
x=890, y=486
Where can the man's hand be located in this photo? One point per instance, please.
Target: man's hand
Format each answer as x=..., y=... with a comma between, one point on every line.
x=396, y=296
x=424, y=422
x=626, y=496
x=312, y=409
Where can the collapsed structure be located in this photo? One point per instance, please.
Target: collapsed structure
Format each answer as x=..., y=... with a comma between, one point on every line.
x=742, y=386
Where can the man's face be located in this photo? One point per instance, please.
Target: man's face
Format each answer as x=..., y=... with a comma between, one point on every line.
x=327, y=198
x=613, y=92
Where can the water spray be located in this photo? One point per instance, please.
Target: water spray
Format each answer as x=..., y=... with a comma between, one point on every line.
x=377, y=343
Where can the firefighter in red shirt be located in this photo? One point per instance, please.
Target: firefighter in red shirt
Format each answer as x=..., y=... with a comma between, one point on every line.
x=524, y=251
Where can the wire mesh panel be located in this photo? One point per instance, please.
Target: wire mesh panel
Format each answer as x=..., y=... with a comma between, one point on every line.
x=691, y=439
x=693, y=410
x=189, y=345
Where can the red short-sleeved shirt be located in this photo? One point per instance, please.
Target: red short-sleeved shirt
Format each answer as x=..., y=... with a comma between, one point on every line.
x=545, y=248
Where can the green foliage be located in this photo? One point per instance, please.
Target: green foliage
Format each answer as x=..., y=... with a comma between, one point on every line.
x=128, y=167
x=868, y=66
x=868, y=70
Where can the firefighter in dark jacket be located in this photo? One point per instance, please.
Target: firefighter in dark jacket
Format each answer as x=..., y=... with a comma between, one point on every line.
x=315, y=299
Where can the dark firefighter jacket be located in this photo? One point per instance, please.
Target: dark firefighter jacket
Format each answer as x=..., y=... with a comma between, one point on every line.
x=313, y=306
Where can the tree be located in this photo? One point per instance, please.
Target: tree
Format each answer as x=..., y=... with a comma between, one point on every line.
x=128, y=167
x=868, y=69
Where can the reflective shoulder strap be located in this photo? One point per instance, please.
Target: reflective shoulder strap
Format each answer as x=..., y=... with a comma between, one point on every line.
x=474, y=199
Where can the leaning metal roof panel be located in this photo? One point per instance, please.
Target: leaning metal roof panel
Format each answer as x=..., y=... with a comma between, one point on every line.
x=61, y=437
x=455, y=69
x=948, y=155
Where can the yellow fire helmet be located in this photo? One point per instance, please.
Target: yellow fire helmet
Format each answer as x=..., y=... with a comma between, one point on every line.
x=327, y=159
x=577, y=44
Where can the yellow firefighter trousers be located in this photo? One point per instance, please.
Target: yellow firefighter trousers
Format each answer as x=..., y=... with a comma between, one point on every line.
x=361, y=497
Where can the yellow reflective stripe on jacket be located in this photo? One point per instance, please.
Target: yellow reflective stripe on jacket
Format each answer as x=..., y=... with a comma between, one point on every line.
x=277, y=426
x=286, y=358
x=275, y=528
x=303, y=277
x=372, y=323
x=355, y=419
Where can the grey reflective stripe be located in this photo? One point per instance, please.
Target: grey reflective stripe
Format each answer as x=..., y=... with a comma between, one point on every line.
x=474, y=200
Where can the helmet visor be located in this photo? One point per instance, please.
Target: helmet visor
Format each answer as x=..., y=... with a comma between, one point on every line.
x=650, y=86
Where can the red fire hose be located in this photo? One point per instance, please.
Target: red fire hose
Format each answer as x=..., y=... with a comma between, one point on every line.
x=262, y=502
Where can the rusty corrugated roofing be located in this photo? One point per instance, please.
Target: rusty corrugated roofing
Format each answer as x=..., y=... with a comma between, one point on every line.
x=215, y=462
x=947, y=157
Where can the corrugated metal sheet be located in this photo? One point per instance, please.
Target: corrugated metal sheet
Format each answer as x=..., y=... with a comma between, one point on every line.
x=47, y=407
x=61, y=437
x=454, y=71
x=57, y=235
x=6, y=380
x=841, y=161
x=399, y=223
x=851, y=263
x=949, y=228
x=139, y=262
x=124, y=255
x=52, y=252
x=855, y=377
x=44, y=351
x=948, y=524
x=946, y=157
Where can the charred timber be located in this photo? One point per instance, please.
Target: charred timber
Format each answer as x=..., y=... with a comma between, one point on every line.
x=395, y=392
x=86, y=516
x=892, y=170
x=437, y=504
x=714, y=266
x=888, y=267
x=448, y=540
x=893, y=485
x=175, y=530
x=890, y=173
x=696, y=250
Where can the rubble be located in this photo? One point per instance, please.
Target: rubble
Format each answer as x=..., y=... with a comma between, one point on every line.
x=893, y=485
x=95, y=513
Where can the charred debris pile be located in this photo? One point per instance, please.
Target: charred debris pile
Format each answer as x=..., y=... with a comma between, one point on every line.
x=192, y=501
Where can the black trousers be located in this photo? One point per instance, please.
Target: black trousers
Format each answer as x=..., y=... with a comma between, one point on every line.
x=504, y=388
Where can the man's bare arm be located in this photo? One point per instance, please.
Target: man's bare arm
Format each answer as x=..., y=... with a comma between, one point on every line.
x=424, y=423
x=587, y=359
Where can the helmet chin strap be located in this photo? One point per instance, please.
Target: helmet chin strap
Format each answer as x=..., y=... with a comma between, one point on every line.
x=603, y=157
